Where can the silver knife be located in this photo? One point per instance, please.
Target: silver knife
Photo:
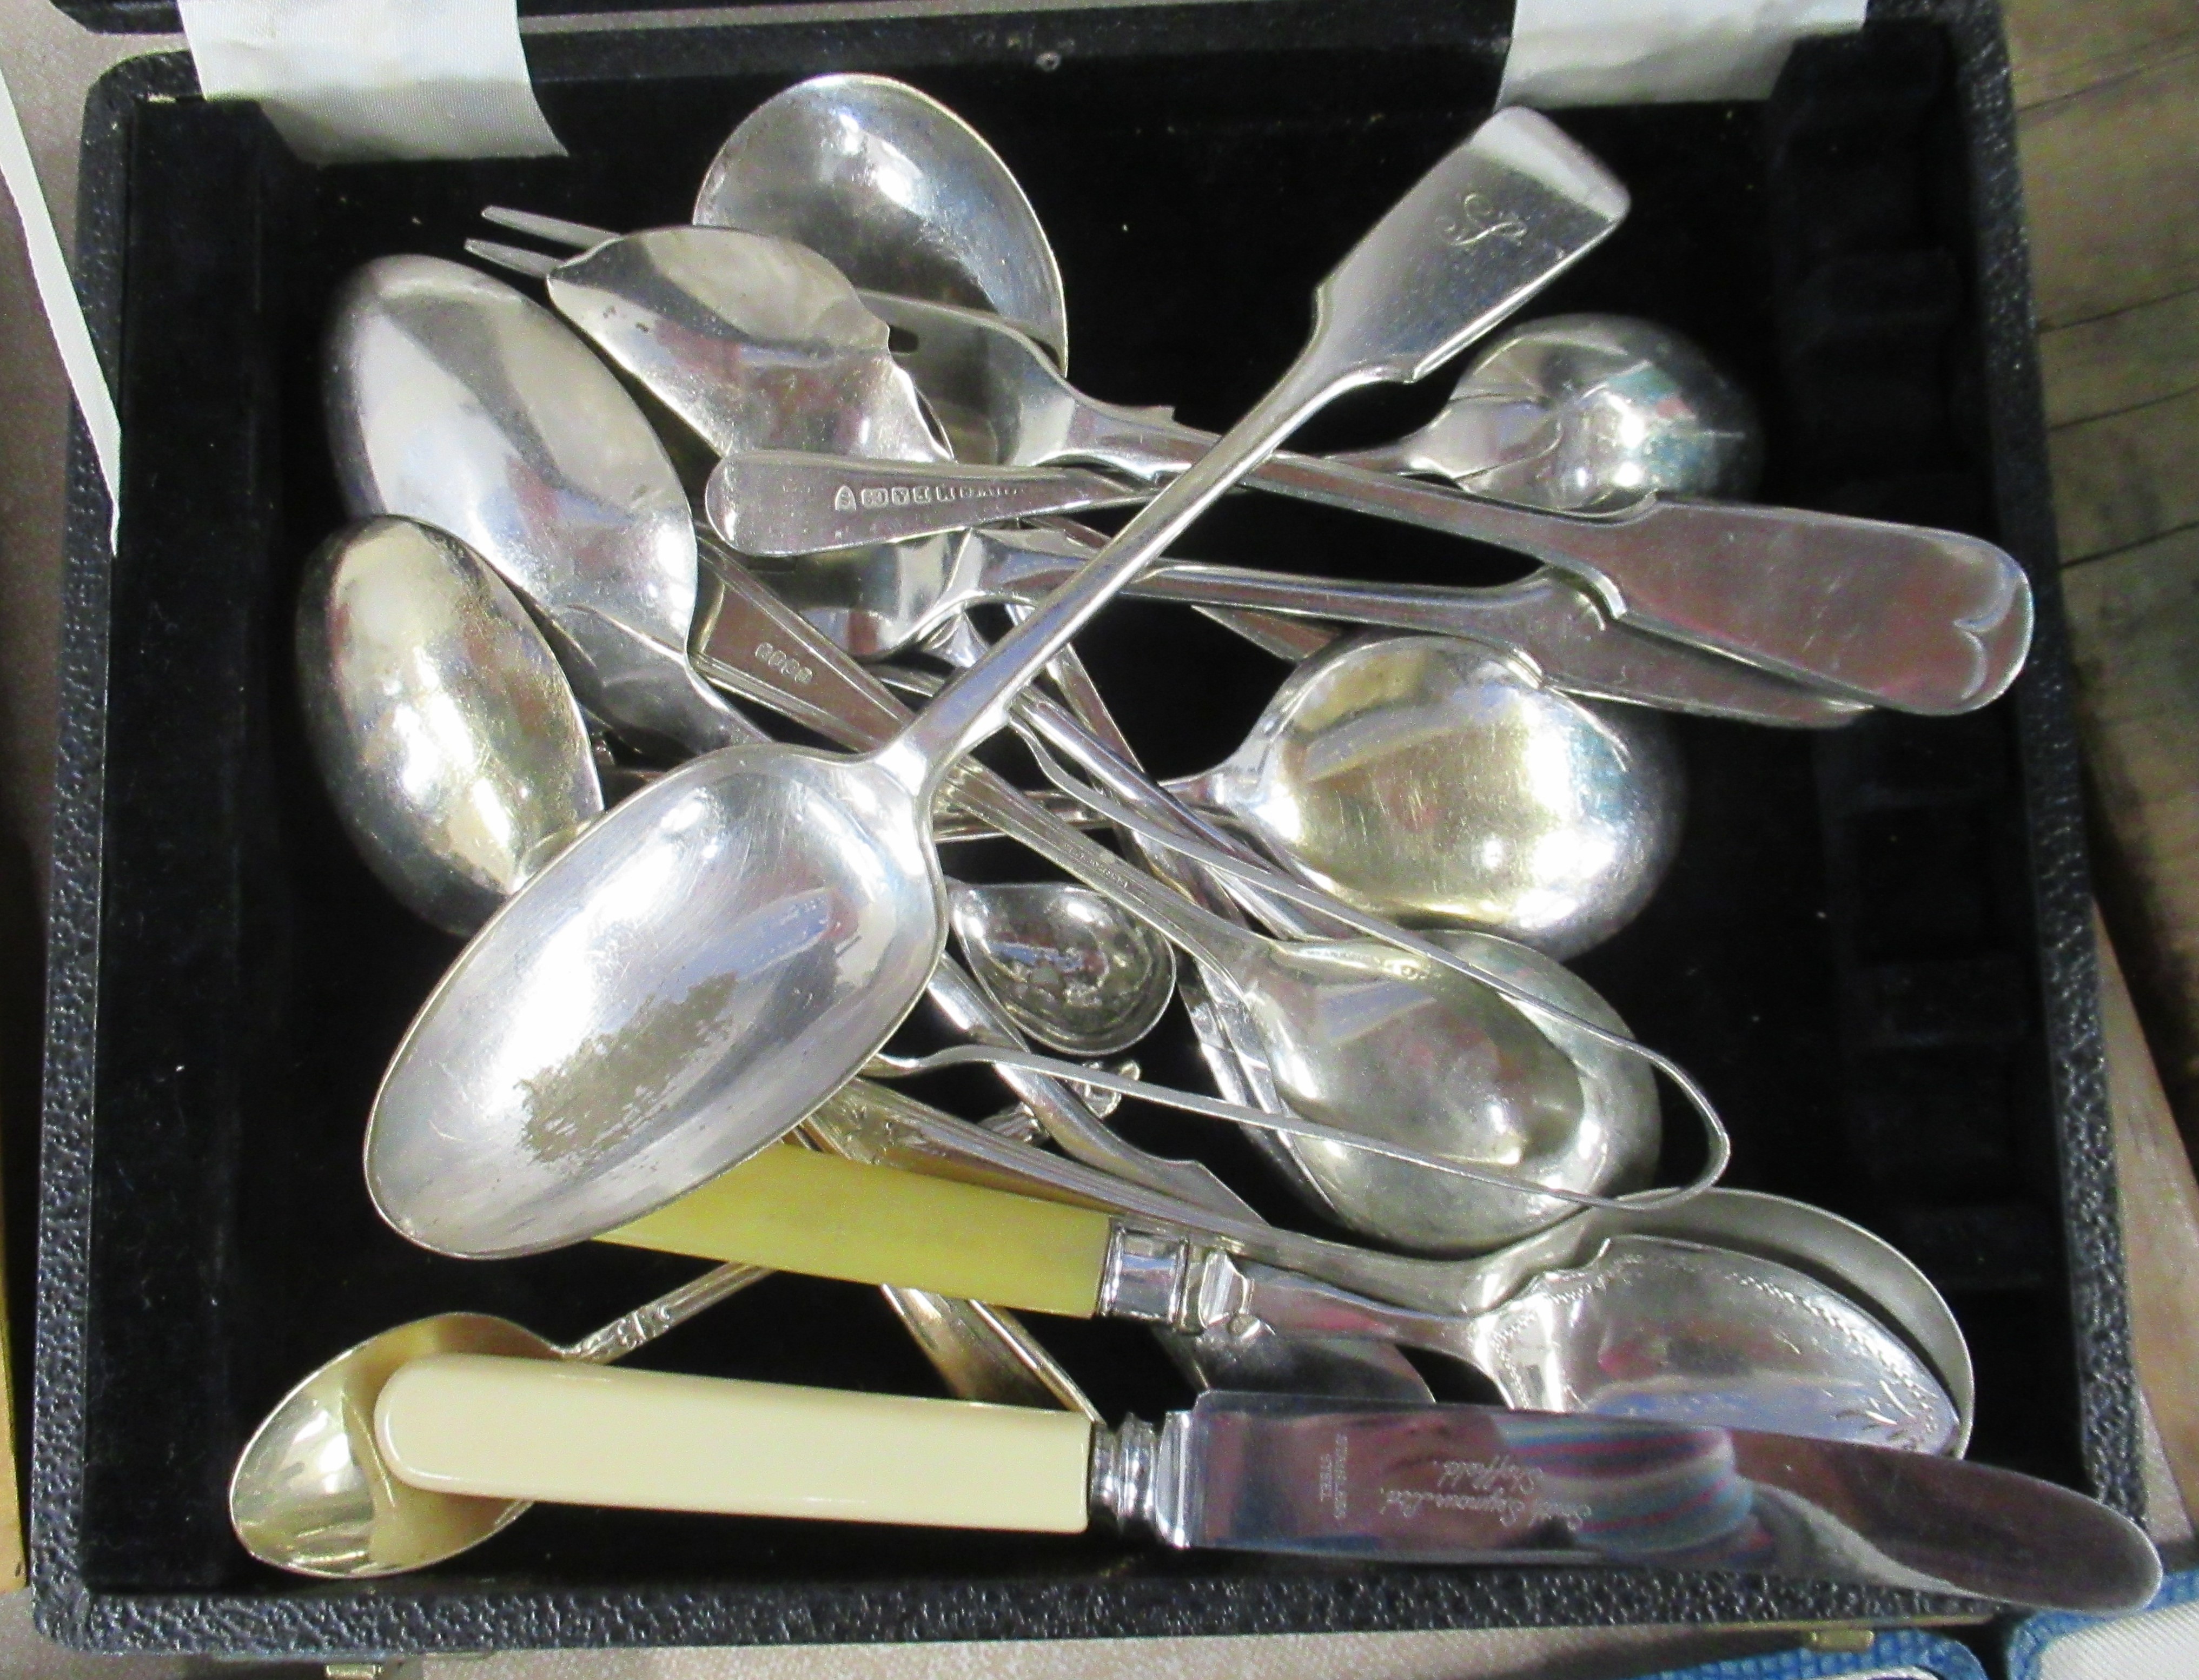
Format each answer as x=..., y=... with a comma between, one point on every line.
x=1279, y=1473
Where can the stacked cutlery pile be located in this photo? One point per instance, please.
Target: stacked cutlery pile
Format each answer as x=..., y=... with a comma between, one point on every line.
x=761, y=479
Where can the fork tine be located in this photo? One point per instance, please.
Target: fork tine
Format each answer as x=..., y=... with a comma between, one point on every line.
x=578, y=235
x=536, y=262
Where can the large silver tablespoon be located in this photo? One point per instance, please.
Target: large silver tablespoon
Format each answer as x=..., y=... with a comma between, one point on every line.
x=454, y=400
x=727, y=947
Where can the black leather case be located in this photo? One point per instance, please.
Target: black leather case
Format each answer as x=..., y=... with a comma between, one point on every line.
x=1874, y=949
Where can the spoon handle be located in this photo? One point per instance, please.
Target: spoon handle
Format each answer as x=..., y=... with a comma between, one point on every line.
x=1922, y=620
x=777, y=502
x=652, y=1318
x=1555, y=627
x=1489, y=225
x=749, y=639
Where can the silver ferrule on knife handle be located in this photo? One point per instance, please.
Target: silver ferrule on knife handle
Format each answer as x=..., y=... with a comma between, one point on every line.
x=1148, y=1277
x=1155, y=1278
x=1140, y=1476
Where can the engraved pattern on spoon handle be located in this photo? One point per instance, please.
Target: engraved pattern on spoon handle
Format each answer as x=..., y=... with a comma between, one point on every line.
x=652, y=1318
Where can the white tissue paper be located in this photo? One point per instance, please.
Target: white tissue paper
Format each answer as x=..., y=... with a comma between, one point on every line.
x=1627, y=52
x=347, y=80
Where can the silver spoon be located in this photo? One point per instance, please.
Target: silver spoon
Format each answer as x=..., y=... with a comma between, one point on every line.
x=726, y=948
x=1805, y=595
x=878, y=601
x=1433, y=782
x=456, y=401
x=446, y=735
x=1065, y=964
x=1587, y=412
x=897, y=191
x=1430, y=781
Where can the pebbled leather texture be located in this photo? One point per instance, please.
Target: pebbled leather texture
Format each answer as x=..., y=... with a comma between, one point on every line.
x=223, y=978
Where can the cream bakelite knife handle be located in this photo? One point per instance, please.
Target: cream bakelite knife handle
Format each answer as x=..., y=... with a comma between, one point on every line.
x=572, y=1434
x=796, y=1211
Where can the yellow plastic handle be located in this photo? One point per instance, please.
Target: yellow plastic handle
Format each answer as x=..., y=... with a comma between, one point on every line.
x=796, y=1211
x=466, y=1423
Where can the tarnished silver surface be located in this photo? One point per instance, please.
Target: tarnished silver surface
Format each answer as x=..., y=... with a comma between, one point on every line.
x=1067, y=966
x=1430, y=781
x=1579, y=412
x=724, y=949
x=896, y=191
x=755, y=343
x=453, y=400
x=1468, y=1485
x=674, y=991
x=311, y=1494
x=445, y=732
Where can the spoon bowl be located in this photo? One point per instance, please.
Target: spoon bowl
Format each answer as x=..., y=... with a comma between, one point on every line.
x=1587, y=413
x=1608, y=1145
x=454, y=400
x=896, y=191
x=311, y=1493
x=443, y=731
x=1065, y=964
x=1432, y=781
x=1654, y=1328
x=654, y=1001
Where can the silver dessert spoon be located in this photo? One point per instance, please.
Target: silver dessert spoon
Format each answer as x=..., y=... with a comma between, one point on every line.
x=453, y=401
x=723, y=950
x=897, y=192
x=1430, y=781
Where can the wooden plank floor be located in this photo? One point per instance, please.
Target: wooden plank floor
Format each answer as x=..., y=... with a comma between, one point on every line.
x=2108, y=92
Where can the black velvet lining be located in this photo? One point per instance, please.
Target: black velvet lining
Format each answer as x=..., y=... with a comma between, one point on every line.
x=1844, y=953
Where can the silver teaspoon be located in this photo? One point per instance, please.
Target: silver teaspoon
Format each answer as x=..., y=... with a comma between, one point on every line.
x=1583, y=412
